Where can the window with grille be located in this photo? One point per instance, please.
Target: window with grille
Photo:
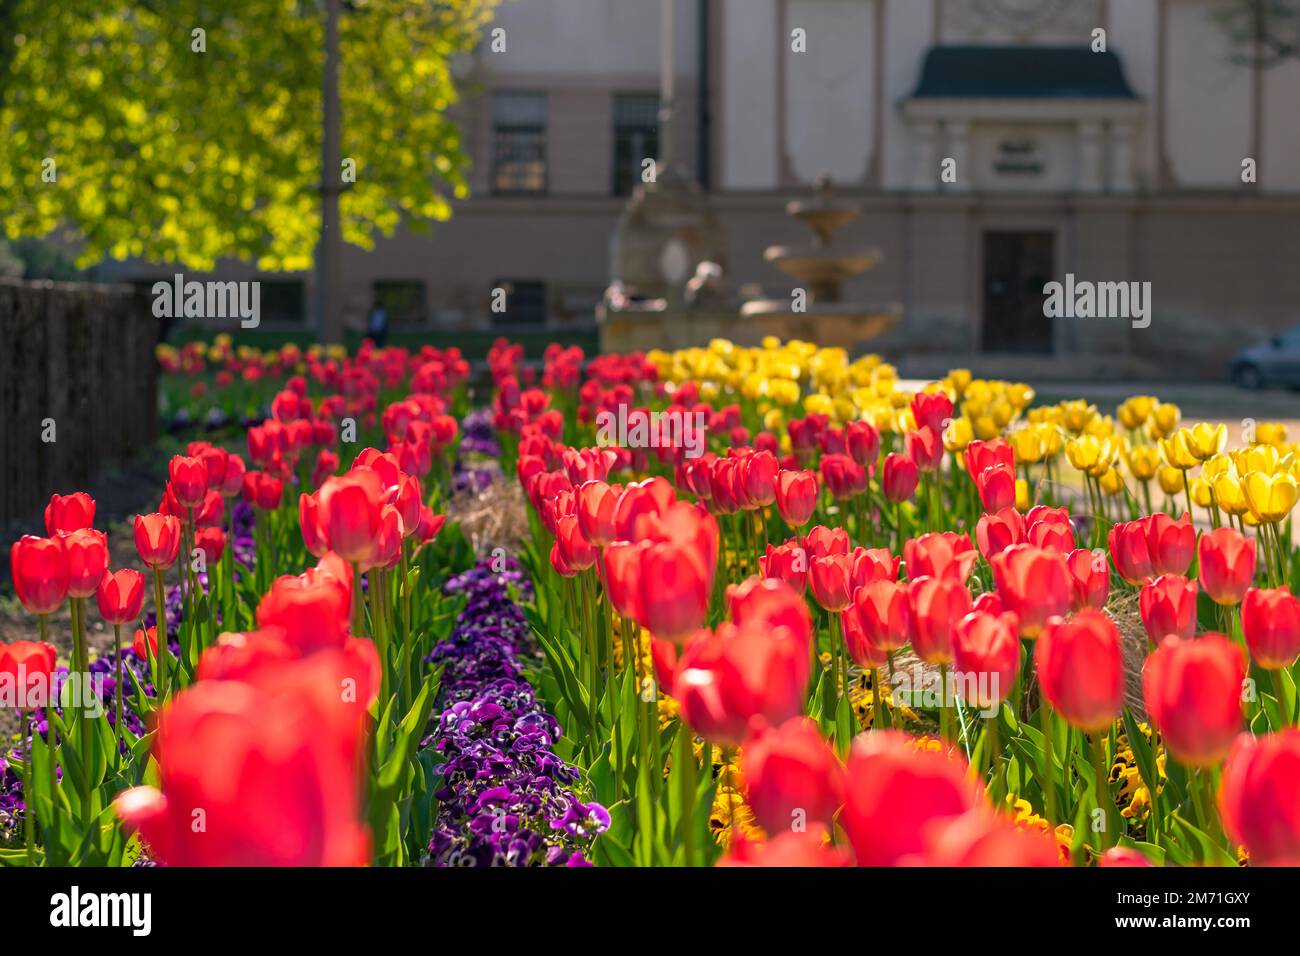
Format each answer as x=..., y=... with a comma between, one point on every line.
x=636, y=137
x=518, y=143
x=402, y=300
x=525, y=302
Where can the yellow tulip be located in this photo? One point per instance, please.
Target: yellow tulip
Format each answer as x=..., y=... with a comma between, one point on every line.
x=1027, y=445
x=1077, y=415
x=959, y=379
x=986, y=428
x=1111, y=482
x=1201, y=493
x=1216, y=466
x=1258, y=458
x=1135, y=411
x=1206, y=440
x=1143, y=460
x=958, y=435
x=1091, y=454
x=1176, y=451
x=1271, y=497
x=1270, y=433
x=1164, y=419
x=1228, y=493
x=1171, y=479
x=1022, y=495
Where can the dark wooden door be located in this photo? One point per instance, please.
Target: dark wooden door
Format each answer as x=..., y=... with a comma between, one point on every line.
x=1016, y=267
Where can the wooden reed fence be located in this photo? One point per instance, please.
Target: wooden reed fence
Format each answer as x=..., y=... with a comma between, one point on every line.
x=79, y=356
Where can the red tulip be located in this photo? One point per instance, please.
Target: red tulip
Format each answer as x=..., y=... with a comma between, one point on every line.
x=576, y=550
x=989, y=603
x=987, y=454
x=821, y=541
x=885, y=614
x=937, y=605
x=594, y=505
x=997, y=488
x=232, y=482
x=788, y=563
x=1124, y=856
x=188, y=479
x=937, y=554
x=1049, y=528
x=120, y=596
x=871, y=564
x=274, y=769
x=1227, y=565
x=1168, y=606
x=138, y=644
x=899, y=477
x=770, y=603
x=843, y=476
x=796, y=496
x=1080, y=667
x=263, y=491
x=831, y=578
x=792, y=776
x=39, y=567
x=986, y=657
x=1130, y=551
x=1270, y=621
x=1259, y=798
x=313, y=609
x=157, y=539
x=430, y=524
x=861, y=650
x=809, y=848
x=652, y=496
x=894, y=790
x=1034, y=584
x=87, y=552
x=621, y=567
x=728, y=677
x=67, y=513
x=212, y=541
x=758, y=472
x=1170, y=543
x=27, y=667
x=925, y=447
x=862, y=444
x=984, y=838
x=674, y=587
x=1089, y=577
x=1193, y=696
x=931, y=410
x=994, y=533
x=350, y=514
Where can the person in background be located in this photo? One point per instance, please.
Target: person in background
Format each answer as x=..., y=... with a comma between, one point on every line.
x=377, y=324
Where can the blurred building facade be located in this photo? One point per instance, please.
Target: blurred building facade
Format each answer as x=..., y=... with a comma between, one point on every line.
x=991, y=148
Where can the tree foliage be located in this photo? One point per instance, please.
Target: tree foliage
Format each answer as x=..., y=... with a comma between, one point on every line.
x=164, y=152
x=1262, y=31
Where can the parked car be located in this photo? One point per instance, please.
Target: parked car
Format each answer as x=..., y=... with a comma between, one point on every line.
x=1275, y=362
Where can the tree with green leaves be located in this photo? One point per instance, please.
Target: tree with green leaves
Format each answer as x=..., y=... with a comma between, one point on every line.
x=1265, y=32
x=183, y=131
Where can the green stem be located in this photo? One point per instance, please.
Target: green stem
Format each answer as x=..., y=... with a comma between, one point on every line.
x=1101, y=788
x=81, y=668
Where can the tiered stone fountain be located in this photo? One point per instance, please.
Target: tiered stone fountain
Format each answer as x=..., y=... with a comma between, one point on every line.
x=820, y=315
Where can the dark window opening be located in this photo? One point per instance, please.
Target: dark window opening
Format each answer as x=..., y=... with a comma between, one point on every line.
x=518, y=143
x=402, y=300
x=525, y=302
x=636, y=138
